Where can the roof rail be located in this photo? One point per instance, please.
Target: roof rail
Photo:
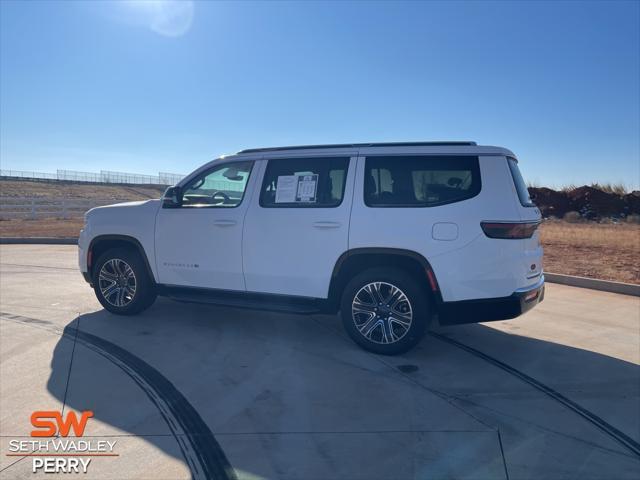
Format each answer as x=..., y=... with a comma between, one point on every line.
x=356, y=145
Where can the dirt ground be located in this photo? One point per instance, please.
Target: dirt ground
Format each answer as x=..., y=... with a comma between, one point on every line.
x=605, y=251
x=57, y=190
x=608, y=252
x=45, y=227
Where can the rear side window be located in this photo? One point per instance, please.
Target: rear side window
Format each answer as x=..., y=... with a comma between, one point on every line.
x=521, y=186
x=304, y=182
x=420, y=181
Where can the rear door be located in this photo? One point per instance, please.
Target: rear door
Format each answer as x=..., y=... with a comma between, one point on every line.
x=297, y=225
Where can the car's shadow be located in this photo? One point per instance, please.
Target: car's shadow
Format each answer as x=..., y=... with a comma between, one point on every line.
x=215, y=386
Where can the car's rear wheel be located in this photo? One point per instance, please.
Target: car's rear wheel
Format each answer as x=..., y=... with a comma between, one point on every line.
x=385, y=310
x=122, y=283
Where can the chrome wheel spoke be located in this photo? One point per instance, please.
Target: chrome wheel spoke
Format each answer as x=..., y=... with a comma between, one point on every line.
x=371, y=291
x=395, y=298
x=377, y=288
x=104, y=275
x=404, y=315
x=107, y=292
x=369, y=326
x=121, y=298
x=387, y=332
x=128, y=272
x=399, y=321
x=117, y=266
x=362, y=307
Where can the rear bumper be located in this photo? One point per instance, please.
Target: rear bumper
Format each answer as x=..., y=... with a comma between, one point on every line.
x=490, y=309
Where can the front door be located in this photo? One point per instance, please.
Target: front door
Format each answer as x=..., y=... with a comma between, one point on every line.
x=298, y=225
x=200, y=243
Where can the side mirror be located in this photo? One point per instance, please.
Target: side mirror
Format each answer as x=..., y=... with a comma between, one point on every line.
x=172, y=197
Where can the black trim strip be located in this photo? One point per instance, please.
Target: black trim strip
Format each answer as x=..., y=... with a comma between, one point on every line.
x=242, y=299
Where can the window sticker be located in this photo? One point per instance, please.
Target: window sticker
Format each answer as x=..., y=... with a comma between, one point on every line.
x=297, y=188
x=307, y=188
x=286, y=189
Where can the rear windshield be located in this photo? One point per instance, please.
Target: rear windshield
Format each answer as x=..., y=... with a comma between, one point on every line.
x=521, y=186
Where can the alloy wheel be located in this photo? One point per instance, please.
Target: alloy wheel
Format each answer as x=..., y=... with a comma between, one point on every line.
x=117, y=282
x=381, y=312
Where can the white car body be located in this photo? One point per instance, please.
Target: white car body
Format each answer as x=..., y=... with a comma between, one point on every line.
x=295, y=251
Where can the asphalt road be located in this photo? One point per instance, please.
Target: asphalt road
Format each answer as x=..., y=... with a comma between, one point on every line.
x=194, y=391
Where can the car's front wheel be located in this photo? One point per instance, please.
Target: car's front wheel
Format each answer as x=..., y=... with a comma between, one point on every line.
x=385, y=310
x=122, y=283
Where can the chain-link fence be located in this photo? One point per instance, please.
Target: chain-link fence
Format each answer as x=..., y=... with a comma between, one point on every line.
x=75, y=176
x=104, y=176
x=169, y=178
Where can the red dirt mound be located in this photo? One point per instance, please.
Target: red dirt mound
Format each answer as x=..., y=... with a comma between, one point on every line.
x=592, y=203
x=550, y=202
x=632, y=201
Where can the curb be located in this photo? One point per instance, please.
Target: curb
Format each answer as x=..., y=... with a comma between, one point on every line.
x=570, y=280
x=593, y=284
x=38, y=241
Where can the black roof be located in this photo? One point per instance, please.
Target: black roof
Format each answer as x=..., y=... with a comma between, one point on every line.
x=356, y=145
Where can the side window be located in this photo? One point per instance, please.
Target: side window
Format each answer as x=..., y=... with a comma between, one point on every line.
x=223, y=186
x=304, y=182
x=420, y=181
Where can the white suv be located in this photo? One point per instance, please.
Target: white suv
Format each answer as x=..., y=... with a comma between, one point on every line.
x=392, y=235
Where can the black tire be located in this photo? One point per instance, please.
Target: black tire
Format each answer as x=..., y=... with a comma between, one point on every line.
x=407, y=337
x=144, y=292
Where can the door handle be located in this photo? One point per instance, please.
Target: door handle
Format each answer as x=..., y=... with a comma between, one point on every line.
x=224, y=223
x=327, y=224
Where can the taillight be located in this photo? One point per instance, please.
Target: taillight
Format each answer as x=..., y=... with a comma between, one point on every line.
x=509, y=230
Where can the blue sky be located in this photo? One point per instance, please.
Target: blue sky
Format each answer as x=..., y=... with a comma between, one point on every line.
x=146, y=87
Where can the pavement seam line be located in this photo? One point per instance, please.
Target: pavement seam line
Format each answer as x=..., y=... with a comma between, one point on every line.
x=622, y=438
x=442, y=395
x=504, y=460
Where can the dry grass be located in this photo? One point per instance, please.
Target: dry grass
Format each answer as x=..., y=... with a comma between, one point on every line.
x=45, y=227
x=608, y=252
x=616, y=188
x=14, y=188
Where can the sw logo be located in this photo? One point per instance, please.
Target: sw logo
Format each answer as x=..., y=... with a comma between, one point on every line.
x=52, y=451
x=42, y=420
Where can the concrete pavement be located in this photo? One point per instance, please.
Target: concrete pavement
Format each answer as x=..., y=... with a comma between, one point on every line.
x=185, y=388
